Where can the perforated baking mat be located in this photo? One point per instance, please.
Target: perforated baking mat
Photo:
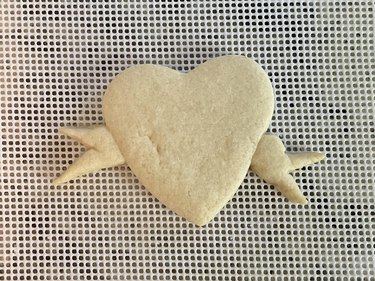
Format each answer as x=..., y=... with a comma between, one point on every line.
x=58, y=56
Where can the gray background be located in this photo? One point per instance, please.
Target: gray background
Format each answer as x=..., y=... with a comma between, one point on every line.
x=57, y=58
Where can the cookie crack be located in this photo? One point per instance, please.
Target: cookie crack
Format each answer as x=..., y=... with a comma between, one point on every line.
x=155, y=146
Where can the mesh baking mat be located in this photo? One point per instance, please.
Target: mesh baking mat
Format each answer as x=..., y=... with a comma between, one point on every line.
x=58, y=56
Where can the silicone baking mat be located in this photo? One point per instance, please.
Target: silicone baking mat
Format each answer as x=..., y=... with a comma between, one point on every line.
x=57, y=57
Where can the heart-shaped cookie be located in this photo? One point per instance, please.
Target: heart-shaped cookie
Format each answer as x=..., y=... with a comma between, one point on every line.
x=189, y=138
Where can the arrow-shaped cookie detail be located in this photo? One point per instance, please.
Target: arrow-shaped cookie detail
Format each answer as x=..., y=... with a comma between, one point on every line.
x=271, y=163
x=102, y=152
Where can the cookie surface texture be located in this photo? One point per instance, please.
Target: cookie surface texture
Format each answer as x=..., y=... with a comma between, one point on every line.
x=189, y=138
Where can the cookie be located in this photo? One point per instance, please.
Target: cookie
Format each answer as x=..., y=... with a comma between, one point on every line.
x=189, y=138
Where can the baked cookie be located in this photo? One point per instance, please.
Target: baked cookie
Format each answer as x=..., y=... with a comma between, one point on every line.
x=190, y=138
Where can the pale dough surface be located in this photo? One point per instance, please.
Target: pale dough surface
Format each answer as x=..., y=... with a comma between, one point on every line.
x=189, y=138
